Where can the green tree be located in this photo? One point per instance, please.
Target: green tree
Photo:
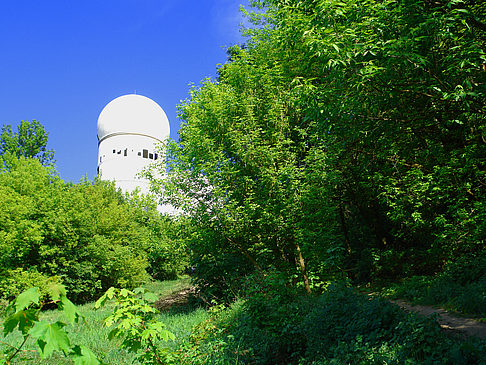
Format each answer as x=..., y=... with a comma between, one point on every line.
x=166, y=247
x=248, y=176
x=400, y=88
x=82, y=234
x=344, y=137
x=30, y=140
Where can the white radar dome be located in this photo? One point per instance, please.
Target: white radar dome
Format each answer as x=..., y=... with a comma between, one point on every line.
x=133, y=114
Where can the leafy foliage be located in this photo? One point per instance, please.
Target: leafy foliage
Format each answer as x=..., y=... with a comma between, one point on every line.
x=88, y=236
x=339, y=327
x=23, y=315
x=83, y=235
x=134, y=322
x=404, y=116
x=30, y=140
x=343, y=139
x=166, y=247
x=461, y=287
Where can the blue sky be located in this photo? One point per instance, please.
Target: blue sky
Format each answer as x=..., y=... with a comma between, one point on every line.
x=61, y=62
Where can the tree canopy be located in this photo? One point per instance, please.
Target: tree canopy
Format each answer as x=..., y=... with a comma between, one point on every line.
x=344, y=138
x=30, y=140
x=89, y=235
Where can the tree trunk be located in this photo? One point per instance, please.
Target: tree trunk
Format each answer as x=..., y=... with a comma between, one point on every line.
x=303, y=269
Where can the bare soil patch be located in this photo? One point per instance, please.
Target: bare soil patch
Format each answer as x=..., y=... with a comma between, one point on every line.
x=178, y=298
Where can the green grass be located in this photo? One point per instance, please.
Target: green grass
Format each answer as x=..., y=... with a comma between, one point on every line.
x=92, y=332
x=340, y=327
x=165, y=288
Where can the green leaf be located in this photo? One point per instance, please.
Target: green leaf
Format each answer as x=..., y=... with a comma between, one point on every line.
x=57, y=291
x=114, y=333
x=24, y=319
x=100, y=302
x=28, y=297
x=167, y=335
x=50, y=337
x=110, y=293
x=84, y=356
x=125, y=293
x=70, y=310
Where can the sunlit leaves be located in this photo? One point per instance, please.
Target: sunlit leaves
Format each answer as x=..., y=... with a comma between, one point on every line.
x=84, y=233
x=355, y=124
x=50, y=337
x=30, y=140
x=24, y=300
x=133, y=320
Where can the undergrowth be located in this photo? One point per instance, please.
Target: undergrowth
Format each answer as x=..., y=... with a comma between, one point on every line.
x=277, y=325
x=461, y=287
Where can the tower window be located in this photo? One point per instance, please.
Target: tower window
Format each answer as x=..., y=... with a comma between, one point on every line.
x=114, y=151
x=140, y=153
x=156, y=156
x=125, y=152
x=151, y=156
x=145, y=153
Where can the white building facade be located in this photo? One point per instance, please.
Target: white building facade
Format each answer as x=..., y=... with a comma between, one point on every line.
x=129, y=129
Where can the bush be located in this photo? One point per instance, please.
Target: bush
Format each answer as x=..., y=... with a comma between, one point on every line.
x=15, y=281
x=276, y=325
x=460, y=287
x=85, y=234
x=167, y=252
x=346, y=327
x=276, y=308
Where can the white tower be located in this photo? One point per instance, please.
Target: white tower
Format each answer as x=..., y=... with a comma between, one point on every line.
x=129, y=128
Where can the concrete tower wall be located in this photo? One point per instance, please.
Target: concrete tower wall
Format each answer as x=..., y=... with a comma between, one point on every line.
x=129, y=129
x=122, y=157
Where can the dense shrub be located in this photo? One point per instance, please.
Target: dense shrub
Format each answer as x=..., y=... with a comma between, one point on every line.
x=343, y=137
x=84, y=234
x=15, y=281
x=165, y=244
x=275, y=326
x=276, y=308
x=167, y=253
x=461, y=287
x=346, y=327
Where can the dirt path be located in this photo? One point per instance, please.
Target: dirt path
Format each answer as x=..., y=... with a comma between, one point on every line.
x=446, y=320
x=176, y=299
